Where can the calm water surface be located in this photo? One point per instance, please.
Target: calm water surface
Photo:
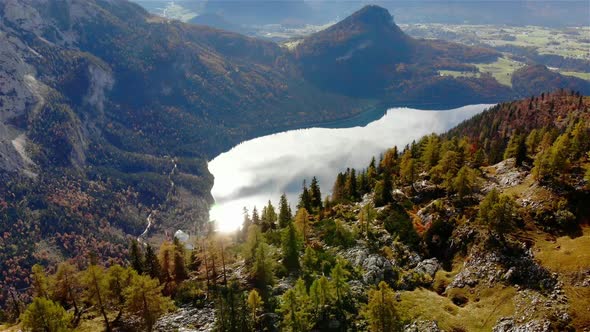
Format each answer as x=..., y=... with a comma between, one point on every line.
x=261, y=169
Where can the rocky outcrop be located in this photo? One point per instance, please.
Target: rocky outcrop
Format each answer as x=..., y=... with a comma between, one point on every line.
x=505, y=174
x=188, y=320
x=19, y=93
x=428, y=267
x=376, y=267
x=492, y=266
x=507, y=324
x=422, y=326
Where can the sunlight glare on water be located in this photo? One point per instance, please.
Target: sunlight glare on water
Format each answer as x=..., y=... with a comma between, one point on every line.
x=261, y=169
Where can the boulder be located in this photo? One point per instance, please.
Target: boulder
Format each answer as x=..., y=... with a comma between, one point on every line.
x=422, y=326
x=428, y=266
x=188, y=319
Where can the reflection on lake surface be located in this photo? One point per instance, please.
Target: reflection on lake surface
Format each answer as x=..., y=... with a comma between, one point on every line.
x=261, y=169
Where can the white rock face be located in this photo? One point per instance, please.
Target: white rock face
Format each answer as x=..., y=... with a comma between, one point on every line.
x=24, y=16
x=18, y=93
x=101, y=81
x=23, y=91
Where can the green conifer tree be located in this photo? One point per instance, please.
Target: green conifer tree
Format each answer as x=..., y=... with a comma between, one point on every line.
x=315, y=195
x=180, y=271
x=291, y=244
x=302, y=224
x=152, y=265
x=263, y=267
x=45, y=315
x=516, y=149
x=144, y=300
x=285, y=214
x=380, y=311
x=97, y=292
x=305, y=199
x=66, y=288
x=40, y=282
x=136, y=259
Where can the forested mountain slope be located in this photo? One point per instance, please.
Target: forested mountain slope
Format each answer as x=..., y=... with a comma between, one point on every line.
x=108, y=115
x=482, y=228
x=367, y=54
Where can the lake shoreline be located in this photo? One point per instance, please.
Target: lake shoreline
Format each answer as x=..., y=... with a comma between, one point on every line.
x=372, y=113
x=261, y=169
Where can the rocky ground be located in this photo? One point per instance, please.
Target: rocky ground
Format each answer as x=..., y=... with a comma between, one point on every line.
x=534, y=296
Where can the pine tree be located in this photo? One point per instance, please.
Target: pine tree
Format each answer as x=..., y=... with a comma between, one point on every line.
x=497, y=212
x=553, y=161
x=285, y=215
x=363, y=184
x=263, y=267
x=533, y=140
x=309, y=262
x=268, y=218
x=338, y=191
x=195, y=261
x=305, y=199
x=580, y=140
x=45, y=315
x=294, y=307
x=118, y=279
x=40, y=283
x=479, y=158
x=291, y=248
x=340, y=286
x=136, y=259
x=380, y=311
x=254, y=239
x=516, y=149
x=255, y=304
x=408, y=168
x=302, y=223
x=371, y=173
x=465, y=183
x=255, y=217
x=166, y=259
x=384, y=191
x=431, y=152
x=245, y=225
x=152, y=265
x=144, y=300
x=232, y=313
x=180, y=272
x=321, y=295
x=66, y=287
x=315, y=194
x=350, y=186
x=366, y=217
x=96, y=285
x=389, y=161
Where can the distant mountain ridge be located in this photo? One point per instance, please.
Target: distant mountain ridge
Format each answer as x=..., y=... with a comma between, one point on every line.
x=368, y=55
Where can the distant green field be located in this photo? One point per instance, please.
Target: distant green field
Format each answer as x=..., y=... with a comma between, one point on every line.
x=584, y=76
x=501, y=70
x=567, y=42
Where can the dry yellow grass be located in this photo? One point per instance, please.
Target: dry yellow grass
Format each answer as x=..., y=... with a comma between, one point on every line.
x=483, y=309
x=579, y=298
x=9, y=328
x=568, y=256
x=565, y=254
